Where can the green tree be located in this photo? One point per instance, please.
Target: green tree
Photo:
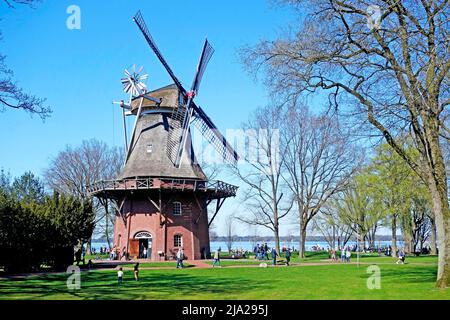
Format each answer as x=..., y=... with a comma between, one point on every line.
x=359, y=209
x=403, y=195
x=28, y=188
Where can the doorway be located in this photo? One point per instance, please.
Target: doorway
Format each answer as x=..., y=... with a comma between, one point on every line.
x=145, y=244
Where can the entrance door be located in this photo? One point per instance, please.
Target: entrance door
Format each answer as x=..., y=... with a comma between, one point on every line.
x=144, y=240
x=134, y=248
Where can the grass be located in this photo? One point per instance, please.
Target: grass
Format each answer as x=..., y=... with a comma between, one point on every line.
x=414, y=280
x=164, y=264
x=236, y=262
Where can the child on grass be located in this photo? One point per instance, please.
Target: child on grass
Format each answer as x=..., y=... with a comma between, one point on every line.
x=120, y=276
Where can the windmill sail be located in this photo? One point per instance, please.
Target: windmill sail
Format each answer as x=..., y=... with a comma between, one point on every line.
x=214, y=137
x=139, y=19
x=207, y=52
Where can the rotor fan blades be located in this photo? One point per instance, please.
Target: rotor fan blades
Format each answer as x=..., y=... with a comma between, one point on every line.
x=133, y=82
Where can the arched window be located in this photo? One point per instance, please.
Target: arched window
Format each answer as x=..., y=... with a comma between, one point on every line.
x=143, y=235
x=177, y=208
x=178, y=240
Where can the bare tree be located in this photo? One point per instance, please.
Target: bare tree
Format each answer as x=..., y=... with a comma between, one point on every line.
x=387, y=59
x=73, y=169
x=264, y=196
x=329, y=225
x=318, y=158
x=230, y=236
x=11, y=3
x=11, y=95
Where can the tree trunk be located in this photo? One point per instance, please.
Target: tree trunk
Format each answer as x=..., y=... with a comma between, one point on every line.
x=334, y=237
x=88, y=246
x=276, y=233
x=361, y=242
x=437, y=184
x=407, y=239
x=394, y=236
x=433, y=238
x=438, y=190
x=301, y=253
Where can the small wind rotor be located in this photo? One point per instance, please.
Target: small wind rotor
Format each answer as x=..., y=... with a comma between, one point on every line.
x=133, y=82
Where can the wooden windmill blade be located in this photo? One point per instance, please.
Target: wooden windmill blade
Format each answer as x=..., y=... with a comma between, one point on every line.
x=139, y=20
x=205, y=56
x=213, y=136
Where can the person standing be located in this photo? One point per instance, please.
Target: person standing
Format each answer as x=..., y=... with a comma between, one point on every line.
x=136, y=271
x=78, y=256
x=348, y=254
x=266, y=251
x=180, y=257
x=288, y=256
x=274, y=256
x=144, y=253
x=120, y=276
x=343, y=255
x=216, y=258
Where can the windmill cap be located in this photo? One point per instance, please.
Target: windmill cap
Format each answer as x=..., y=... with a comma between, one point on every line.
x=170, y=98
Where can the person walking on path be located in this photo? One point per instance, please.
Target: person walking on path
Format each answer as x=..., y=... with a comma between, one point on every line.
x=343, y=255
x=274, y=256
x=136, y=271
x=333, y=254
x=216, y=258
x=180, y=257
x=120, y=276
x=288, y=256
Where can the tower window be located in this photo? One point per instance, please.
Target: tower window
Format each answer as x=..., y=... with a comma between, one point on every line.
x=177, y=240
x=150, y=148
x=177, y=208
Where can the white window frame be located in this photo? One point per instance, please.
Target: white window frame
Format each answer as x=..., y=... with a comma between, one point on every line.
x=175, y=242
x=173, y=208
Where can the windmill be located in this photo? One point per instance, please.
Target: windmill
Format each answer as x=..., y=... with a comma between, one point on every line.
x=188, y=110
x=161, y=197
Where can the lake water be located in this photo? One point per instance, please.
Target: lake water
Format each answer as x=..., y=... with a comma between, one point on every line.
x=248, y=245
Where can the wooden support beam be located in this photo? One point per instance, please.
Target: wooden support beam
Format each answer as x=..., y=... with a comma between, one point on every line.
x=200, y=207
x=154, y=203
x=119, y=208
x=219, y=204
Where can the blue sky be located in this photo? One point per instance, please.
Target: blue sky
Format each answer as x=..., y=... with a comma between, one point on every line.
x=79, y=71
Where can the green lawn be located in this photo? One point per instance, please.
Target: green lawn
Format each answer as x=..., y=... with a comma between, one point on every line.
x=414, y=280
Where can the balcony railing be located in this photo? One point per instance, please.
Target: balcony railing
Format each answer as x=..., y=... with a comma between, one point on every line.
x=216, y=187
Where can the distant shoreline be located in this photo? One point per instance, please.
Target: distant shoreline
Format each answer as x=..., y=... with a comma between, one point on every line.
x=282, y=239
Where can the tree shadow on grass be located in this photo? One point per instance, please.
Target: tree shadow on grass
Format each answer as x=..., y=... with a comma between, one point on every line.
x=103, y=285
x=408, y=274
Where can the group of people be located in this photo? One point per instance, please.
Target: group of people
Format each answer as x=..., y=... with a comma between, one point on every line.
x=143, y=252
x=346, y=254
x=114, y=253
x=261, y=251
